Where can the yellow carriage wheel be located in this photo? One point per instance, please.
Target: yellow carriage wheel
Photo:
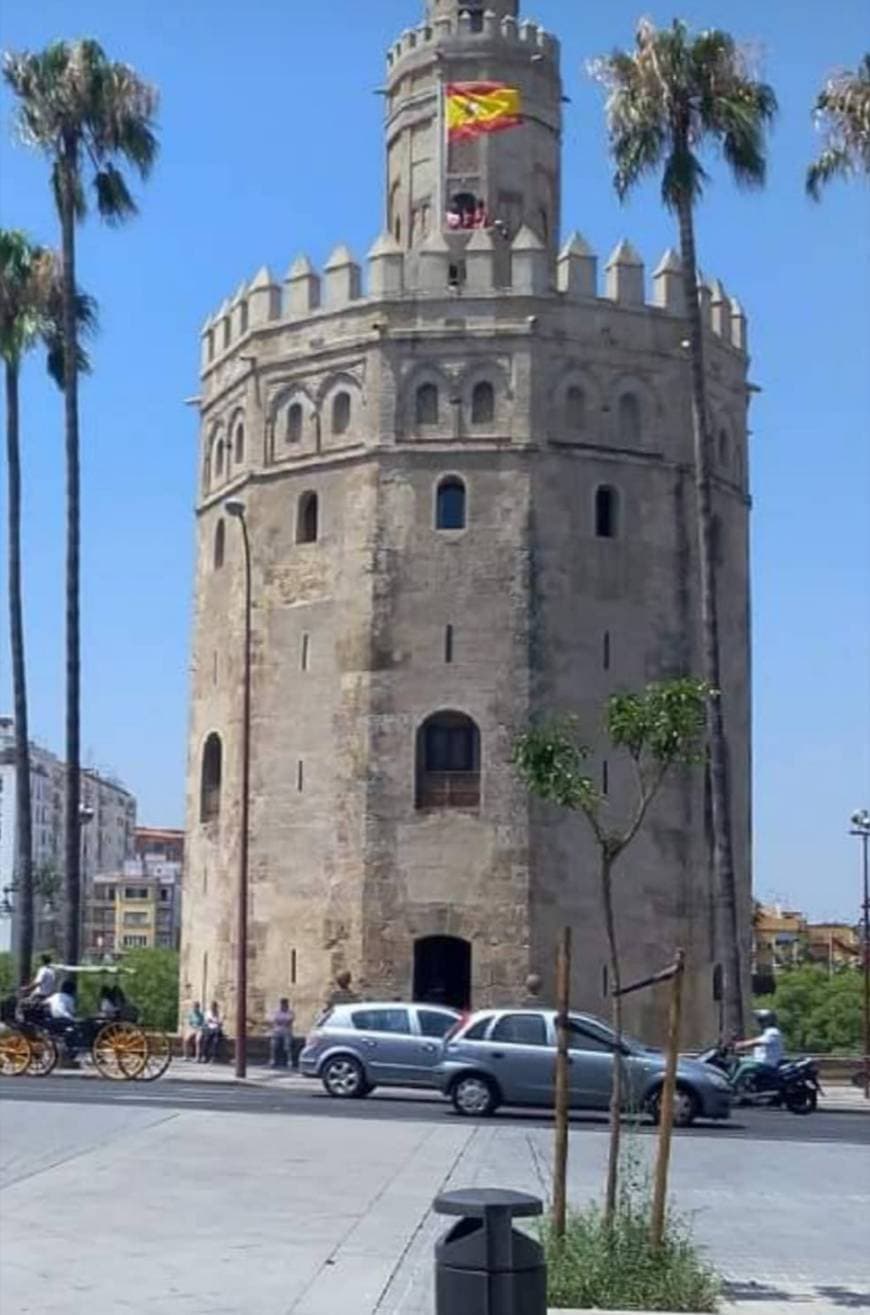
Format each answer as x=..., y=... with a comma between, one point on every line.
x=120, y=1051
x=159, y=1056
x=43, y=1055
x=14, y=1054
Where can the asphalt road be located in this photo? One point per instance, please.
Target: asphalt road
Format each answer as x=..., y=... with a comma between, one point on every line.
x=302, y=1098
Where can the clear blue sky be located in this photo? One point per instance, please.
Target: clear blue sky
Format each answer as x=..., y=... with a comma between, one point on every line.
x=272, y=144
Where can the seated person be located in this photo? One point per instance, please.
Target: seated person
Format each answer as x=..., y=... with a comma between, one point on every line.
x=212, y=1032
x=62, y=1003
x=767, y=1048
x=108, y=1006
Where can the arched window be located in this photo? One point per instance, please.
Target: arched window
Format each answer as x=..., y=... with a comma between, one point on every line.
x=450, y=504
x=340, y=413
x=629, y=420
x=210, y=779
x=240, y=441
x=294, y=423
x=219, y=458
x=483, y=404
x=448, y=762
x=606, y=512
x=427, y=405
x=306, y=519
x=220, y=535
x=575, y=408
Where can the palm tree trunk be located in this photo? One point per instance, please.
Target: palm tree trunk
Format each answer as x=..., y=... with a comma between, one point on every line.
x=72, y=845
x=612, y=1187
x=23, y=811
x=727, y=921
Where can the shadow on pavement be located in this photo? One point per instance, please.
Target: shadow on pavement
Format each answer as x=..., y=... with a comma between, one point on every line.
x=840, y=1298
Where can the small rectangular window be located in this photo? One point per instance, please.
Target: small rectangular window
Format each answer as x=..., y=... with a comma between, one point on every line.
x=304, y=654
x=605, y=777
x=606, y=651
x=299, y=775
x=448, y=644
x=292, y=967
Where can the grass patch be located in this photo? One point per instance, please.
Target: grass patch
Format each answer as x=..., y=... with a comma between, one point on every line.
x=618, y=1270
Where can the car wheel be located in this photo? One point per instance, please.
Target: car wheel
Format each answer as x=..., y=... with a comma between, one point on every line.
x=474, y=1096
x=685, y=1107
x=344, y=1077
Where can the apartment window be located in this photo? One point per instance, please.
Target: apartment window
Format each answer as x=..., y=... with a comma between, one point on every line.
x=135, y=919
x=133, y=942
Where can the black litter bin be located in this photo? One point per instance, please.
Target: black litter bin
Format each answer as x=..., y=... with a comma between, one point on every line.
x=483, y=1266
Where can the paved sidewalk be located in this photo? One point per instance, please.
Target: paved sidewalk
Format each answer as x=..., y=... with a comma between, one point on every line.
x=126, y=1210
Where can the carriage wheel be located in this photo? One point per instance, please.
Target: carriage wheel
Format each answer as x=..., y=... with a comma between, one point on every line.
x=159, y=1057
x=43, y=1055
x=14, y=1054
x=120, y=1051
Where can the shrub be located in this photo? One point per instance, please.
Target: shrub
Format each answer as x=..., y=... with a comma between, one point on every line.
x=617, y=1269
x=818, y=1011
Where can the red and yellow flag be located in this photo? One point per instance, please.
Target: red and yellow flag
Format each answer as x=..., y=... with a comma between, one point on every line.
x=477, y=107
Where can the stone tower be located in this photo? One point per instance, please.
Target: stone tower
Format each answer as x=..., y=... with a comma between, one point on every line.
x=467, y=484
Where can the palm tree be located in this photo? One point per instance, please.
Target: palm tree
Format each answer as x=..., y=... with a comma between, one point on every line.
x=842, y=112
x=85, y=113
x=673, y=95
x=30, y=301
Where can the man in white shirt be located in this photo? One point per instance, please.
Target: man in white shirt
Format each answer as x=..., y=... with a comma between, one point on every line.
x=44, y=982
x=62, y=1003
x=767, y=1047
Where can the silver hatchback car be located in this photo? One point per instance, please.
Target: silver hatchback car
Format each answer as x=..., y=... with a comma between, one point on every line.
x=354, y=1048
x=507, y=1057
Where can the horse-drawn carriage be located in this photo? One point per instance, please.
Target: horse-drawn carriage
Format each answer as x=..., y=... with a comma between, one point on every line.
x=32, y=1042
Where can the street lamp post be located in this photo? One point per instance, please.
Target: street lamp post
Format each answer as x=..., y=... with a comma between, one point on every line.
x=236, y=508
x=861, y=828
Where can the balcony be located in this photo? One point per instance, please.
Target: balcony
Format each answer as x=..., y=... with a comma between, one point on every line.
x=449, y=790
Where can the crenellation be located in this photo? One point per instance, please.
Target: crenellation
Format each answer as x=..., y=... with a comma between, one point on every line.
x=342, y=278
x=705, y=301
x=529, y=33
x=530, y=264
x=510, y=28
x=264, y=298
x=386, y=268
x=720, y=310
x=739, y=331
x=577, y=268
x=303, y=289
x=669, y=289
x=625, y=277
x=480, y=262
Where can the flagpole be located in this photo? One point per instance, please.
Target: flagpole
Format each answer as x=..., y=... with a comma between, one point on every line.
x=440, y=159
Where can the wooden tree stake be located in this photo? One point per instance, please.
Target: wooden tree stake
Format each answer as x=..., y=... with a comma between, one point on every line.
x=666, y=1106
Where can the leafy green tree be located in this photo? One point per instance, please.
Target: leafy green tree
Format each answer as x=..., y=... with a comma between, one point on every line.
x=668, y=99
x=842, y=112
x=149, y=980
x=7, y=973
x=656, y=730
x=87, y=114
x=30, y=315
x=818, y=1011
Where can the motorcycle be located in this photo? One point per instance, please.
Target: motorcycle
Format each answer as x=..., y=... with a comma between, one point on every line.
x=794, y=1084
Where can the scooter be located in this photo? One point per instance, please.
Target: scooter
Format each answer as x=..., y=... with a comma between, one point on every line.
x=793, y=1084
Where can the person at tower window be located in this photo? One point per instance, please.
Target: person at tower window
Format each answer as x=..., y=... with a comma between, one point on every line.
x=213, y=1030
x=481, y=215
x=281, y=1036
x=454, y=218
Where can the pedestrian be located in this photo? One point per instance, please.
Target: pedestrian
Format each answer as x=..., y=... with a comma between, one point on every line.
x=212, y=1033
x=281, y=1036
x=534, y=986
x=342, y=993
x=192, y=1047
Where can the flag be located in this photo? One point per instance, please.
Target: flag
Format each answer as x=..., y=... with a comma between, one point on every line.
x=477, y=107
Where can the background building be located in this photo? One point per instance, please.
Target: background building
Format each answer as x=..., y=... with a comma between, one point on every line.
x=108, y=823
x=469, y=495
x=138, y=906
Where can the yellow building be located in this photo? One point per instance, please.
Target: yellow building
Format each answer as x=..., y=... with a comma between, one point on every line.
x=136, y=913
x=833, y=943
x=779, y=938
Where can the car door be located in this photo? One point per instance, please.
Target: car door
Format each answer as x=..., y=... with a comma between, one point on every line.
x=521, y=1058
x=433, y=1024
x=388, y=1043
x=590, y=1055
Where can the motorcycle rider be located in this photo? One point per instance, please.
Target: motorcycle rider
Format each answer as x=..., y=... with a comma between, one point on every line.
x=767, y=1047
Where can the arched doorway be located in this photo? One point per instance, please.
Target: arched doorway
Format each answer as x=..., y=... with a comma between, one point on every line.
x=442, y=971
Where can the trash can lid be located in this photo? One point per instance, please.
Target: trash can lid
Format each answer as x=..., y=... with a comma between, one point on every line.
x=477, y=1202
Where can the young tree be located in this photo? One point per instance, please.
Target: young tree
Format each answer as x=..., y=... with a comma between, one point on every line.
x=842, y=113
x=87, y=114
x=668, y=99
x=656, y=729
x=30, y=300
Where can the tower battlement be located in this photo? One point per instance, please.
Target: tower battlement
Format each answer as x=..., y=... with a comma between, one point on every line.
x=462, y=269
x=490, y=35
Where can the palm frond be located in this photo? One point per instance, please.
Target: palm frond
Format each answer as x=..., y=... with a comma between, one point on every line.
x=114, y=201
x=842, y=113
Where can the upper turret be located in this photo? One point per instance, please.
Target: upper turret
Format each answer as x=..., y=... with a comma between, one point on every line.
x=511, y=176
